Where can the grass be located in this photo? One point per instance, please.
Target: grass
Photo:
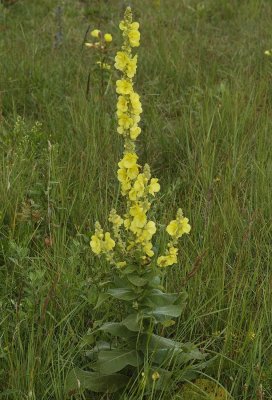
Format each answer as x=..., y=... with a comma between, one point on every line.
x=205, y=86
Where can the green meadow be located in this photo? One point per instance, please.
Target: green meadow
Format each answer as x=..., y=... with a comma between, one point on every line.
x=205, y=86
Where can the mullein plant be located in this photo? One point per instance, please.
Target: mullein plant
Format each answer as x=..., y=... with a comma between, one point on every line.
x=133, y=347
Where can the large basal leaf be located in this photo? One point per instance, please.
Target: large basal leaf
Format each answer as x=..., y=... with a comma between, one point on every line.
x=176, y=355
x=115, y=360
x=163, y=356
x=162, y=350
x=156, y=342
x=163, y=313
x=117, y=329
x=123, y=294
x=78, y=379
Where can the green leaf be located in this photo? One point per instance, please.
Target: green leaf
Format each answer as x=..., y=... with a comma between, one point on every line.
x=132, y=322
x=115, y=360
x=123, y=294
x=158, y=348
x=189, y=355
x=161, y=350
x=163, y=313
x=92, y=354
x=102, y=297
x=92, y=296
x=155, y=281
x=116, y=329
x=158, y=298
x=130, y=269
x=137, y=280
x=156, y=342
x=78, y=379
x=163, y=356
x=89, y=338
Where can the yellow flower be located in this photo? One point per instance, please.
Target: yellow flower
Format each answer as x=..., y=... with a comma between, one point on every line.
x=139, y=219
x=99, y=245
x=108, y=243
x=134, y=132
x=95, y=33
x=121, y=60
x=108, y=37
x=131, y=67
x=124, y=179
x=134, y=34
x=154, y=186
x=136, y=119
x=131, y=168
x=122, y=175
x=133, y=195
x=139, y=184
x=133, y=172
x=122, y=104
x=148, y=231
x=135, y=103
x=134, y=26
x=115, y=219
x=148, y=249
x=129, y=160
x=123, y=87
x=95, y=244
x=165, y=261
x=138, y=188
x=124, y=120
x=120, y=130
x=178, y=226
x=169, y=259
x=122, y=26
x=268, y=53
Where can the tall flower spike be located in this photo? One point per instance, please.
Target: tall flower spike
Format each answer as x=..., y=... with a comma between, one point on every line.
x=133, y=231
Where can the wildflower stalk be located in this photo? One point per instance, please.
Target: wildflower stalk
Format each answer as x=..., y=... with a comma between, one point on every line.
x=101, y=47
x=133, y=344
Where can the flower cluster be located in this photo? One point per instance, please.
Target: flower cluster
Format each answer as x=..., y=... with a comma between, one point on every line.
x=100, y=242
x=101, y=45
x=133, y=232
x=96, y=33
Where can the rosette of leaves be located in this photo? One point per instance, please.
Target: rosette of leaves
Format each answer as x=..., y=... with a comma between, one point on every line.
x=134, y=345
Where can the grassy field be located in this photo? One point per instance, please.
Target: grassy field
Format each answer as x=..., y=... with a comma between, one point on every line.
x=205, y=86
